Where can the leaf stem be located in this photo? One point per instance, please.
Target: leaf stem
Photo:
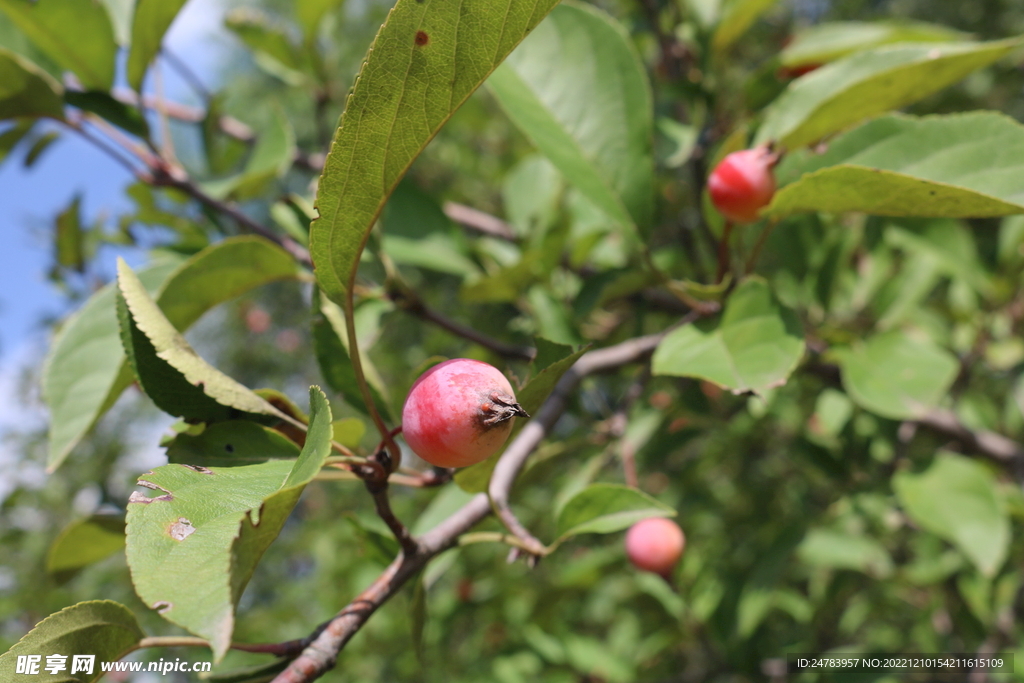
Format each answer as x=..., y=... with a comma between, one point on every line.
x=723, y=252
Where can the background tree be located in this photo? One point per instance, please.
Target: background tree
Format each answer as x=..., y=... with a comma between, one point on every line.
x=828, y=400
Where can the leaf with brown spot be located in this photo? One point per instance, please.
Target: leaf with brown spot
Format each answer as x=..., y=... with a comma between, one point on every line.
x=213, y=526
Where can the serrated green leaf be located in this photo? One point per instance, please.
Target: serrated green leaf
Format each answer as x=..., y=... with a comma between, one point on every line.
x=869, y=83
x=271, y=158
x=85, y=542
x=229, y=444
x=76, y=34
x=828, y=41
x=607, y=508
x=578, y=89
x=754, y=346
x=956, y=499
x=85, y=370
x=426, y=60
x=962, y=165
x=102, y=628
x=418, y=233
x=738, y=17
x=897, y=376
x=475, y=478
x=193, y=547
x=26, y=90
x=150, y=22
x=169, y=371
x=116, y=112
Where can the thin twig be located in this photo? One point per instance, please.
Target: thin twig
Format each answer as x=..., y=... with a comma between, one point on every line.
x=288, y=648
x=724, y=255
x=408, y=301
x=321, y=654
x=479, y=221
x=162, y=177
x=186, y=73
x=107, y=149
x=512, y=461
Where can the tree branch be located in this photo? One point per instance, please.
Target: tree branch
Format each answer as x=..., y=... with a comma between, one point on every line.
x=480, y=221
x=322, y=652
x=164, y=178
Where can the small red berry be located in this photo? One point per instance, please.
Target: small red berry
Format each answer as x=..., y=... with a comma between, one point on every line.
x=459, y=413
x=655, y=545
x=743, y=183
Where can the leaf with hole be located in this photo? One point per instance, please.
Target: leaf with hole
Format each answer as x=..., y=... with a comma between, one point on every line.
x=193, y=546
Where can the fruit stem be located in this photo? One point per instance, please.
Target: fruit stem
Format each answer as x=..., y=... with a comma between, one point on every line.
x=723, y=252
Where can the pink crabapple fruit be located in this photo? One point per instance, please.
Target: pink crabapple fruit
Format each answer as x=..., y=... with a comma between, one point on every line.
x=459, y=413
x=743, y=183
x=655, y=545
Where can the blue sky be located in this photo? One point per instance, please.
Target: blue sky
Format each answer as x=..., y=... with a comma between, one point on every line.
x=30, y=199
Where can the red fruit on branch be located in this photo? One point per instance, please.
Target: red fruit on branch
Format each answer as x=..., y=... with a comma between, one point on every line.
x=459, y=413
x=655, y=545
x=743, y=183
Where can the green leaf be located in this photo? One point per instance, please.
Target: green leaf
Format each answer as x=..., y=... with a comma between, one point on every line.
x=578, y=89
x=271, y=158
x=475, y=478
x=870, y=83
x=232, y=443
x=169, y=371
x=26, y=90
x=116, y=112
x=348, y=431
x=39, y=145
x=963, y=165
x=85, y=542
x=272, y=50
x=897, y=376
x=311, y=12
x=956, y=499
x=607, y=508
x=149, y=24
x=85, y=370
x=69, y=236
x=102, y=628
x=76, y=34
x=12, y=135
x=739, y=16
x=418, y=233
x=404, y=93
x=753, y=346
x=334, y=360
x=838, y=550
x=222, y=272
x=193, y=547
x=829, y=41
